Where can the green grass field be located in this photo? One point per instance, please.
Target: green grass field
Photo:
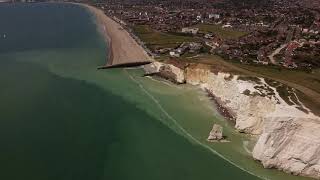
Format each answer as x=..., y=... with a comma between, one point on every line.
x=156, y=40
x=219, y=31
x=310, y=80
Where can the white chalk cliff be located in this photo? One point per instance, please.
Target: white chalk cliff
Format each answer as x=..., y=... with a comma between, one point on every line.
x=167, y=71
x=289, y=133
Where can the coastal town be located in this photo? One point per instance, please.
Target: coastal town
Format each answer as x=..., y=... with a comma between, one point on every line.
x=283, y=33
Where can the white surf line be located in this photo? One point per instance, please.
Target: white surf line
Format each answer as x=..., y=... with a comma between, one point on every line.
x=163, y=82
x=155, y=80
x=186, y=133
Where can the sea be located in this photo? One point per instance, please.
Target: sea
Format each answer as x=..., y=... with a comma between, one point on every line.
x=62, y=119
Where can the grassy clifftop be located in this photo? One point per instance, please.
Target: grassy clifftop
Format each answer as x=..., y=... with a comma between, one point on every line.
x=156, y=40
x=219, y=31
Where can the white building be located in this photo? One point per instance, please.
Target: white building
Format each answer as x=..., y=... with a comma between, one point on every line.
x=228, y=25
x=215, y=16
x=174, y=54
x=199, y=17
x=190, y=30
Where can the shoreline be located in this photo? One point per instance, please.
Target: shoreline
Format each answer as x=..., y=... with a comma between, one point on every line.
x=255, y=115
x=114, y=31
x=224, y=111
x=122, y=48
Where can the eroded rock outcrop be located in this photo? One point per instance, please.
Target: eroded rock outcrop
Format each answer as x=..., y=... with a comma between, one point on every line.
x=289, y=133
x=167, y=71
x=215, y=133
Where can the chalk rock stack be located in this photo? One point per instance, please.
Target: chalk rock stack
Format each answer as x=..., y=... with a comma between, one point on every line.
x=215, y=133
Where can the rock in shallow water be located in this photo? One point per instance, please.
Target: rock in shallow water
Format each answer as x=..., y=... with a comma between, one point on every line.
x=216, y=133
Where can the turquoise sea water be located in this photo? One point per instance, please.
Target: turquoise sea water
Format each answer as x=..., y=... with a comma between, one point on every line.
x=60, y=118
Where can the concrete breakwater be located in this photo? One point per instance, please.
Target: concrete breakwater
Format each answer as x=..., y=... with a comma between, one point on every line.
x=123, y=65
x=288, y=131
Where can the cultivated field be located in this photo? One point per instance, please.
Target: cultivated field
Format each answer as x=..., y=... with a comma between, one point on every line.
x=219, y=31
x=158, y=40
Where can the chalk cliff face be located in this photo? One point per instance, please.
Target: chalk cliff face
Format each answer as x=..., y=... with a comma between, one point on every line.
x=248, y=110
x=291, y=144
x=289, y=133
x=166, y=71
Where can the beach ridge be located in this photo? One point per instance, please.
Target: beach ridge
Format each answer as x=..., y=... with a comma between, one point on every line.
x=123, y=49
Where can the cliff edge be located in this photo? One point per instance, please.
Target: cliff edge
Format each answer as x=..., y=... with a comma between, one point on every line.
x=288, y=131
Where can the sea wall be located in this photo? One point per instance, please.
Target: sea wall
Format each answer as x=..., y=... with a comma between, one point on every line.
x=288, y=131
